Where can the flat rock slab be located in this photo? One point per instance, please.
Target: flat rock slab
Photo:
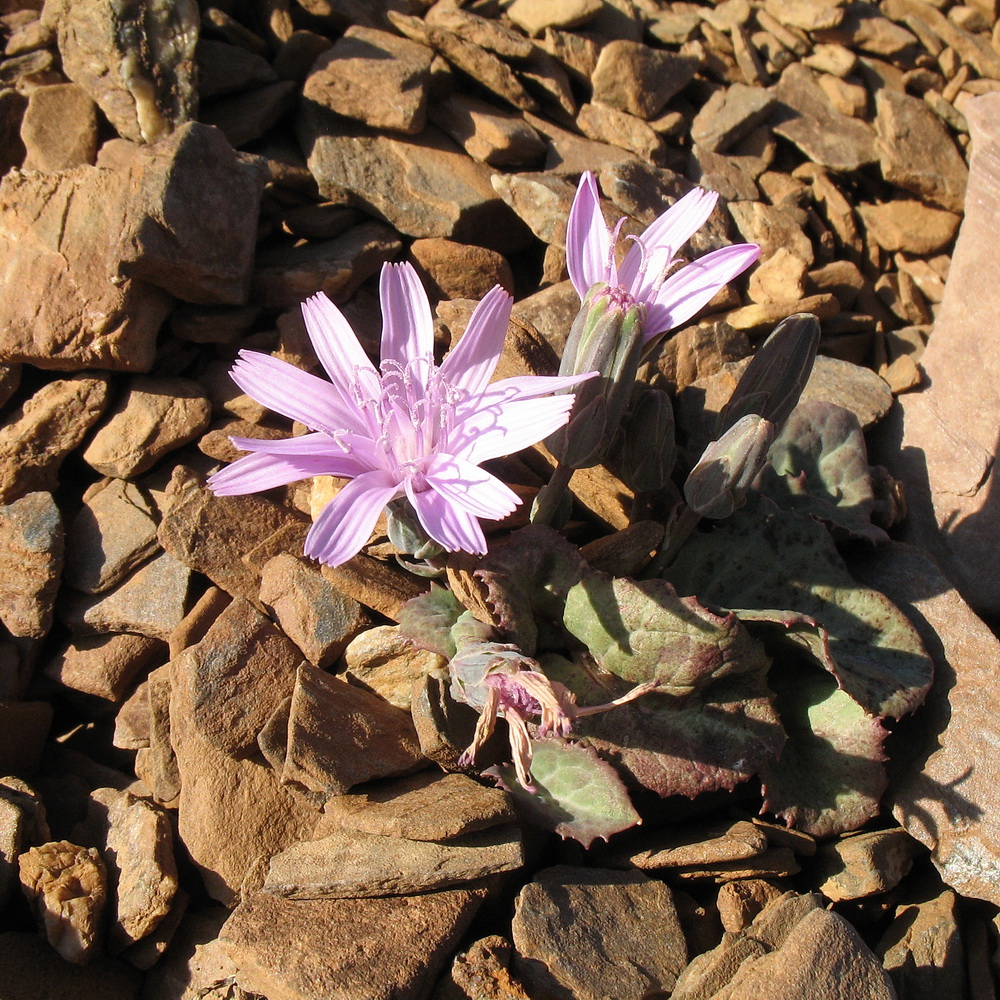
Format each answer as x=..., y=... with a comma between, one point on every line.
x=946, y=450
x=346, y=949
x=31, y=558
x=351, y=865
x=586, y=933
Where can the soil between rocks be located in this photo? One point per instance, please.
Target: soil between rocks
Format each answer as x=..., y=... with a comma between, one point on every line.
x=228, y=774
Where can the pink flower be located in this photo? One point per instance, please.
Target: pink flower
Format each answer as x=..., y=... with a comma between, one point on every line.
x=645, y=276
x=408, y=429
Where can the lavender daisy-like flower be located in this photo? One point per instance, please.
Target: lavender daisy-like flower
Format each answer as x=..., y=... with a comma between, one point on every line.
x=647, y=275
x=407, y=429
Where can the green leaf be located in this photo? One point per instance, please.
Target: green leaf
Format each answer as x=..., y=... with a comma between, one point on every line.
x=763, y=558
x=830, y=777
x=427, y=620
x=819, y=466
x=577, y=794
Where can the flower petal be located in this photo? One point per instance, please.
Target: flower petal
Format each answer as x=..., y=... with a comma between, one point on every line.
x=588, y=244
x=447, y=523
x=255, y=473
x=472, y=488
x=335, y=343
x=296, y=394
x=503, y=430
x=407, y=326
x=470, y=364
x=508, y=390
x=346, y=522
x=685, y=292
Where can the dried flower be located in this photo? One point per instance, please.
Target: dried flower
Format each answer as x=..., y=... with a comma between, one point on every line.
x=408, y=429
x=647, y=276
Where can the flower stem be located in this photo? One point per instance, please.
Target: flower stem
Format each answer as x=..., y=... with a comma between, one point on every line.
x=678, y=531
x=551, y=495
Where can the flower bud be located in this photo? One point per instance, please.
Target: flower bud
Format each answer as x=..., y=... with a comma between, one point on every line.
x=406, y=533
x=648, y=447
x=774, y=379
x=718, y=484
x=606, y=337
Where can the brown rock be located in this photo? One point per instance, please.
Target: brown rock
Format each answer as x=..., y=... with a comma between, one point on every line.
x=423, y=806
x=458, y=271
x=729, y=114
x=724, y=174
x=344, y=949
x=702, y=846
x=66, y=887
x=825, y=135
x=340, y=736
x=585, y=932
x=137, y=63
x=541, y=200
x=136, y=844
x=486, y=133
x=383, y=587
x=244, y=118
x=607, y=124
x=154, y=416
x=224, y=68
x=762, y=316
x=104, y=665
x=373, y=76
x=533, y=17
x=31, y=556
x=741, y=900
x=917, y=153
x=780, y=277
x=35, y=439
x=569, y=153
x=61, y=309
x=910, y=226
x=863, y=864
x=113, y=533
x=348, y=864
x=635, y=78
x=807, y=15
x=496, y=36
x=12, y=107
x=384, y=661
x=483, y=973
x=550, y=311
x=160, y=769
x=239, y=672
x=59, y=128
x=150, y=601
x=773, y=228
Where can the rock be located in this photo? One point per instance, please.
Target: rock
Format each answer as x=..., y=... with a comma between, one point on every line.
x=239, y=672
x=865, y=29
x=944, y=450
x=807, y=15
x=607, y=124
x=31, y=556
x=483, y=973
x=104, y=666
x=229, y=539
x=384, y=661
x=585, y=932
x=494, y=35
x=909, y=226
x=823, y=134
x=761, y=317
x=22, y=825
x=340, y=736
x=153, y=416
x=533, y=17
x=136, y=62
x=458, y=271
x=922, y=948
x=773, y=228
x=286, y=273
x=113, y=533
x=423, y=806
x=348, y=864
x=150, y=601
x=916, y=152
x=31, y=973
x=375, y=77
x=64, y=306
x=244, y=118
x=229, y=69
x=377, y=585
x=729, y=114
x=35, y=439
x=136, y=844
x=66, y=887
x=12, y=107
x=780, y=277
x=24, y=725
x=159, y=767
x=59, y=130
x=191, y=223
x=344, y=949
x=702, y=846
x=486, y=133
x=550, y=311
x=724, y=174
x=741, y=900
x=542, y=201
x=231, y=812
x=310, y=611
x=569, y=154
x=863, y=864
x=639, y=80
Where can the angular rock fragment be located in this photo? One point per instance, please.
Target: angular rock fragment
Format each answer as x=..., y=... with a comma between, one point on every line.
x=104, y=666
x=154, y=416
x=340, y=736
x=533, y=17
x=35, y=439
x=66, y=887
x=452, y=270
x=348, y=864
x=584, y=932
x=607, y=124
x=384, y=661
x=135, y=60
x=375, y=77
x=729, y=114
x=910, y=226
x=31, y=556
x=244, y=118
x=486, y=133
x=59, y=130
x=483, y=971
x=635, y=78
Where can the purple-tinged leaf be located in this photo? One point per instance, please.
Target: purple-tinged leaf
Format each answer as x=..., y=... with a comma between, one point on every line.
x=577, y=794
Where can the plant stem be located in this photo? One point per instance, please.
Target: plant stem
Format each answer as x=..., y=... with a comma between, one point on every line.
x=678, y=531
x=550, y=496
